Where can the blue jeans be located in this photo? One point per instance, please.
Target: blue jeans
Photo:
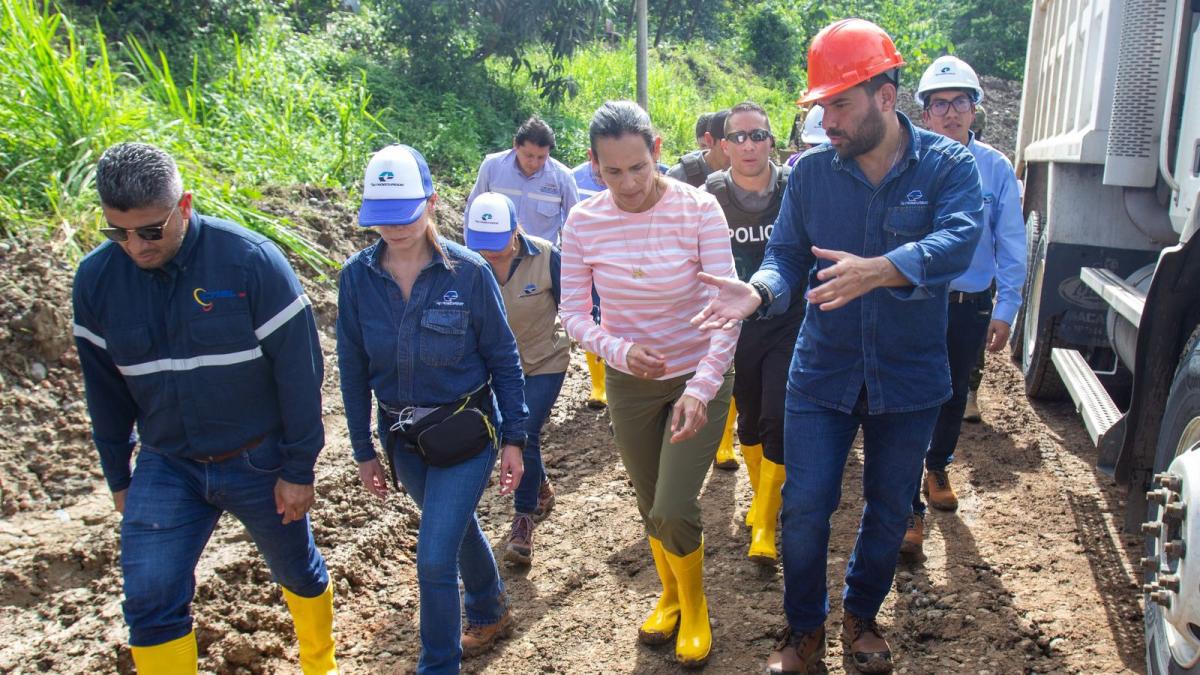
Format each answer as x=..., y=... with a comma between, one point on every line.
x=541, y=391
x=450, y=545
x=170, y=511
x=817, y=441
x=966, y=331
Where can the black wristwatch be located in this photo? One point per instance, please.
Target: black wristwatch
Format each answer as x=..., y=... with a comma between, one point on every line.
x=764, y=293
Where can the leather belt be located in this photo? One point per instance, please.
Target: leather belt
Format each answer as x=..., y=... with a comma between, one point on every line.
x=215, y=459
x=967, y=296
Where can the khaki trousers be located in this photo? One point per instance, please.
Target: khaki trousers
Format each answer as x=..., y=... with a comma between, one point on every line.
x=666, y=476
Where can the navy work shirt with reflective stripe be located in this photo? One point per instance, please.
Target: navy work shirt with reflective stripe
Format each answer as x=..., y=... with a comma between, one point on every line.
x=924, y=217
x=448, y=339
x=213, y=350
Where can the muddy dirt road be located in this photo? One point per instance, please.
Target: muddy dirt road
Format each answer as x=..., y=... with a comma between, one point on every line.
x=1031, y=575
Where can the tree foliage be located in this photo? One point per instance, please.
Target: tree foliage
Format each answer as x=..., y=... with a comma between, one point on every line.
x=991, y=35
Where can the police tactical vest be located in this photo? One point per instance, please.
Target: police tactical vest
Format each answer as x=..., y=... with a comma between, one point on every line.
x=532, y=315
x=695, y=167
x=748, y=230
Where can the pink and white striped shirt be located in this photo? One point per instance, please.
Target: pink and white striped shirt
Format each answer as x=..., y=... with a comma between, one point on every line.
x=644, y=266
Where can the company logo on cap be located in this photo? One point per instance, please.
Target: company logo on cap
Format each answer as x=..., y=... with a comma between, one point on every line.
x=486, y=216
x=946, y=69
x=386, y=176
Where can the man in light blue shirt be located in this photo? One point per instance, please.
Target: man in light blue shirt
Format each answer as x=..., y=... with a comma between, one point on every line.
x=948, y=93
x=541, y=187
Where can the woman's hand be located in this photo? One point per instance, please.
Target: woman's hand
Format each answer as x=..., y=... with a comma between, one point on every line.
x=646, y=363
x=689, y=417
x=512, y=467
x=373, y=477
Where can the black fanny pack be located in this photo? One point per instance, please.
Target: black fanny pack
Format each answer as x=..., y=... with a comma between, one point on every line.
x=447, y=434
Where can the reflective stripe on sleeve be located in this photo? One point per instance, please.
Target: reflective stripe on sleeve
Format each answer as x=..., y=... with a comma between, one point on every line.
x=88, y=335
x=284, y=315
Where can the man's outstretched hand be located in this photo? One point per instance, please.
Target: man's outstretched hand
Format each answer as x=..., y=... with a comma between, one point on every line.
x=735, y=301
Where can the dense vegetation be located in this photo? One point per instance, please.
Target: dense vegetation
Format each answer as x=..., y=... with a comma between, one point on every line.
x=252, y=93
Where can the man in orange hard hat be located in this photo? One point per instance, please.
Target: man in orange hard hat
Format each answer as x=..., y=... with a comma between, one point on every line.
x=876, y=224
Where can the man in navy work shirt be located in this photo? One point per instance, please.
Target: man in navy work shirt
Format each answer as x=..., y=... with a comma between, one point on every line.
x=948, y=93
x=197, y=331
x=542, y=187
x=875, y=224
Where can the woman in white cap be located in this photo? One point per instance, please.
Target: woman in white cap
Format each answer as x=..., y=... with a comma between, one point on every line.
x=421, y=325
x=527, y=268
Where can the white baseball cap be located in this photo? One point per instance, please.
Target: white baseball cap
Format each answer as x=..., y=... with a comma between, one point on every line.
x=396, y=187
x=491, y=219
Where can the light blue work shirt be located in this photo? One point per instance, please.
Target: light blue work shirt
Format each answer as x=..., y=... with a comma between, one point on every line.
x=1001, y=251
x=542, y=200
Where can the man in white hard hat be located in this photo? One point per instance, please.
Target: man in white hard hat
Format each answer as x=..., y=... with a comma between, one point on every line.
x=948, y=93
x=812, y=133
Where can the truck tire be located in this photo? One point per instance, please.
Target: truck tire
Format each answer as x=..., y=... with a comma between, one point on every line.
x=1033, y=232
x=1037, y=337
x=1181, y=414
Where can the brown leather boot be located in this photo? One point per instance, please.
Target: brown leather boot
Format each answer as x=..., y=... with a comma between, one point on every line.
x=479, y=638
x=864, y=643
x=914, y=537
x=938, y=491
x=798, y=654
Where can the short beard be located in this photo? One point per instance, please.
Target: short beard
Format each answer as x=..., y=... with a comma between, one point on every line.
x=870, y=134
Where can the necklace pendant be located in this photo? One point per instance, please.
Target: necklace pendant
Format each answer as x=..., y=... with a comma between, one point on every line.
x=638, y=273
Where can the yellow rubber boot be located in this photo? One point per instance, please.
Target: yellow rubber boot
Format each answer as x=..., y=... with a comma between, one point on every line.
x=661, y=624
x=770, y=498
x=753, y=455
x=599, y=396
x=725, y=458
x=313, y=619
x=177, y=657
x=694, y=641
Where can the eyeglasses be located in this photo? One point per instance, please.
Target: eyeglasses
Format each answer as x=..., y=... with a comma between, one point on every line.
x=940, y=107
x=739, y=137
x=147, y=233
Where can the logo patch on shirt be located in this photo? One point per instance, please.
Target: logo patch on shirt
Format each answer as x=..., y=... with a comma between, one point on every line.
x=550, y=189
x=914, y=198
x=988, y=198
x=450, y=298
x=205, y=298
x=529, y=289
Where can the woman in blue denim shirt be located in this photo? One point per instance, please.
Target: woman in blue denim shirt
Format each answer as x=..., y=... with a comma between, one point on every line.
x=421, y=324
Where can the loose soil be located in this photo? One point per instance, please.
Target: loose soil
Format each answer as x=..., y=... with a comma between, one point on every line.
x=1031, y=574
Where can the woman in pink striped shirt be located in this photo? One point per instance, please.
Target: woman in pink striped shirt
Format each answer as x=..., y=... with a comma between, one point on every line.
x=642, y=242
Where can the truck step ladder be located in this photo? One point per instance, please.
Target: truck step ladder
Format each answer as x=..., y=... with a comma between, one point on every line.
x=1091, y=399
x=1127, y=300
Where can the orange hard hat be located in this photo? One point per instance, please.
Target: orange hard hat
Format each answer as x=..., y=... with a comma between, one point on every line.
x=847, y=53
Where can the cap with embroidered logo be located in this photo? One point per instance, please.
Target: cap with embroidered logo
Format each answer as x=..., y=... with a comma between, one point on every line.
x=396, y=187
x=491, y=219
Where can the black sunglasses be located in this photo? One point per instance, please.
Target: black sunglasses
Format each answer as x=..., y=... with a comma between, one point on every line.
x=147, y=233
x=739, y=137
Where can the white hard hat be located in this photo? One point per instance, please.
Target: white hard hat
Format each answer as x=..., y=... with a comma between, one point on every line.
x=813, y=132
x=948, y=72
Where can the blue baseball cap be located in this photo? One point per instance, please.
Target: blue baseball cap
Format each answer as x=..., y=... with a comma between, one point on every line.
x=491, y=219
x=396, y=187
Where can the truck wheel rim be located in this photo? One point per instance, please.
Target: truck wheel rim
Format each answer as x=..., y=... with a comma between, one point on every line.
x=1181, y=617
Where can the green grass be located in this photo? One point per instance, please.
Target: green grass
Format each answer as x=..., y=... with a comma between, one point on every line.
x=683, y=82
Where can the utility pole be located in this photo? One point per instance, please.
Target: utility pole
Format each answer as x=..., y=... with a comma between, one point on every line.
x=643, y=83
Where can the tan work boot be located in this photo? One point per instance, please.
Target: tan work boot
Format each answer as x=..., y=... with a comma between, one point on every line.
x=798, y=654
x=971, y=412
x=545, y=501
x=864, y=643
x=477, y=639
x=518, y=550
x=938, y=492
x=914, y=537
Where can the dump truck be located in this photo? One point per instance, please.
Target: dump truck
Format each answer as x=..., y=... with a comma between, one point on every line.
x=1108, y=149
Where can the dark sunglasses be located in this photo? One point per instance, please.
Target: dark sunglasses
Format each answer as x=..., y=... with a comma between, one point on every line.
x=739, y=137
x=939, y=108
x=147, y=233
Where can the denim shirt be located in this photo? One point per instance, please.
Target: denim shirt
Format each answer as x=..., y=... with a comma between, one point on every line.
x=447, y=340
x=924, y=217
